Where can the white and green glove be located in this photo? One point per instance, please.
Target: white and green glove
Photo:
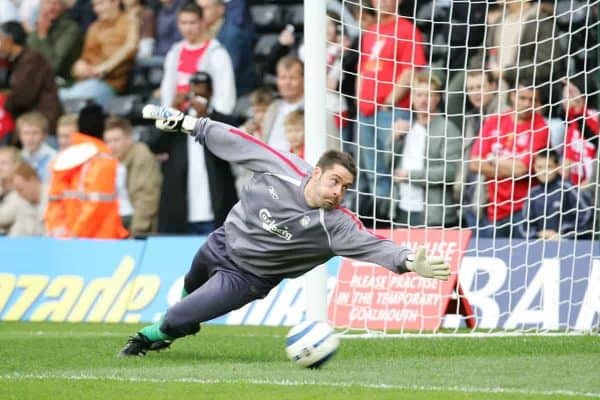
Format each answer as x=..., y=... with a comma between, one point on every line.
x=169, y=119
x=434, y=267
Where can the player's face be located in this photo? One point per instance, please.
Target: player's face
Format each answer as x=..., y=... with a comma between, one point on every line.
x=190, y=26
x=331, y=185
x=31, y=137
x=117, y=141
x=545, y=169
x=290, y=83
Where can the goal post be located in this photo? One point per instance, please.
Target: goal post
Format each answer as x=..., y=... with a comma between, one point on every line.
x=455, y=109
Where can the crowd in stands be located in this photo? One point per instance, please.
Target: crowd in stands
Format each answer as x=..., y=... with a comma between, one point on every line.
x=460, y=114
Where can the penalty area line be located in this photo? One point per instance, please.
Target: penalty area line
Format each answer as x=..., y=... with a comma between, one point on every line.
x=419, y=388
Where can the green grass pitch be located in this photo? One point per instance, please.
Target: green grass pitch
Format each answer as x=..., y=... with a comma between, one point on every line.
x=78, y=361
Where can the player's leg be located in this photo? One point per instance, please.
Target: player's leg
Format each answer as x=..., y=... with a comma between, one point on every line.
x=227, y=289
x=151, y=337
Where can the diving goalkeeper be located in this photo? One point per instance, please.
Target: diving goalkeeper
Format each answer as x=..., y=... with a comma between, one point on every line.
x=288, y=221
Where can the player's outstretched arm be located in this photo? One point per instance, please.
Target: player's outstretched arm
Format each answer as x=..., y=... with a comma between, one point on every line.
x=350, y=239
x=227, y=142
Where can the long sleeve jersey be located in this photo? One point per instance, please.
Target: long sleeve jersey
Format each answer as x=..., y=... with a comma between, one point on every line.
x=272, y=231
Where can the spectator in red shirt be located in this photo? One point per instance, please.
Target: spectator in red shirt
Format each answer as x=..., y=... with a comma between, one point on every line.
x=503, y=153
x=581, y=139
x=390, y=50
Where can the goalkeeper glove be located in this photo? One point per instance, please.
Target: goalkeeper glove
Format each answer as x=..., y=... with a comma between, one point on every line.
x=428, y=267
x=169, y=119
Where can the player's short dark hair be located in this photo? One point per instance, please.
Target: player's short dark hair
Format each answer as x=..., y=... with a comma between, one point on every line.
x=333, y=157
x=15, y=31
x=549, y=154
x=193, y=8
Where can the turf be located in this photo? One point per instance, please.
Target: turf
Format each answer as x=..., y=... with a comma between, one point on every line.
x=66, y=361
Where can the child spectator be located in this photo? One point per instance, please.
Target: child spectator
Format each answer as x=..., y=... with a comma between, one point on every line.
x=9, y=199
x=556, y=208
x=294, y=131
x=260, y=100
x=32, y=128
x=67, y=125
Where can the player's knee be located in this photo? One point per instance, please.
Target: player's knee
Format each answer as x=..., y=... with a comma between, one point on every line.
x=179, y=328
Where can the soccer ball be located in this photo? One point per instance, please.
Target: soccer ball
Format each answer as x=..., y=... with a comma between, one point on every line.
x=311, y=343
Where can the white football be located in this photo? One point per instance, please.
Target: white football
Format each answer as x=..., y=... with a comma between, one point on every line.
x=311, y=343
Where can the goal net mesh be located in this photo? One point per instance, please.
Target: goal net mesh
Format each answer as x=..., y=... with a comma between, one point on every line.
x=474, y=127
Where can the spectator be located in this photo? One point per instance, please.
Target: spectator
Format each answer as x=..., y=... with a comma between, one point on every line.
x=197, y=53
x=198, y=188
x=555, y=208
x=430, y=157
x=29, y=219
x=82, y=199
x=503, y=153
x=31, y=84
x=290, y=84
x=521, y=33
x=237, y=39
x=104, y=66
x=10, y=201
x=581, y=140
x=146, y=20
x=143, y=175
x=294, y=132
x=383, y=91
x=66, y=127
x=167, y=33
x=57, y=36
x=32, y=128
x=8, y=11
x=260, y=100
x=483, y=101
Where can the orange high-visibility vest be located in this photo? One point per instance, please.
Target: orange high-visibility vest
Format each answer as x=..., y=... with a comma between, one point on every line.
x=82, y=201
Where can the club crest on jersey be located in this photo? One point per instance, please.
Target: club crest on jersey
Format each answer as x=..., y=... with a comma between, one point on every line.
x=270, y=225
x=305, y=221
x=273, y=193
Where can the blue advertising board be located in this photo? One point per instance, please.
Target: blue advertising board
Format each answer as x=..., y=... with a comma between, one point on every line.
x=546, y=285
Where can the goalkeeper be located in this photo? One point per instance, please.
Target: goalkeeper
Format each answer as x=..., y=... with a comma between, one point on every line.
x=288, y=221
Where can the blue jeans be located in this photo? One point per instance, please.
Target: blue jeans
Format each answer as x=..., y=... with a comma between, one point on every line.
x=96, y=89
x=375, y=152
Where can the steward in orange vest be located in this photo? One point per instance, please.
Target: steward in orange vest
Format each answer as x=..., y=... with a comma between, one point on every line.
x=82, y=198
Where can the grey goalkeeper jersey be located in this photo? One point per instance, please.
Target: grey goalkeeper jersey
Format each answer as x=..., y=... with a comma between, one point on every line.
x=271, y=231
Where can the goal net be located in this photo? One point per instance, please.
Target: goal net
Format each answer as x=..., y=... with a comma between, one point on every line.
x=475, y=129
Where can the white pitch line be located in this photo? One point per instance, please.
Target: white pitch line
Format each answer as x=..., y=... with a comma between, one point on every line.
x=419, y=388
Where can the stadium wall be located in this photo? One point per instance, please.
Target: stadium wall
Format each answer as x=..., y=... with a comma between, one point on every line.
x=135, y=281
